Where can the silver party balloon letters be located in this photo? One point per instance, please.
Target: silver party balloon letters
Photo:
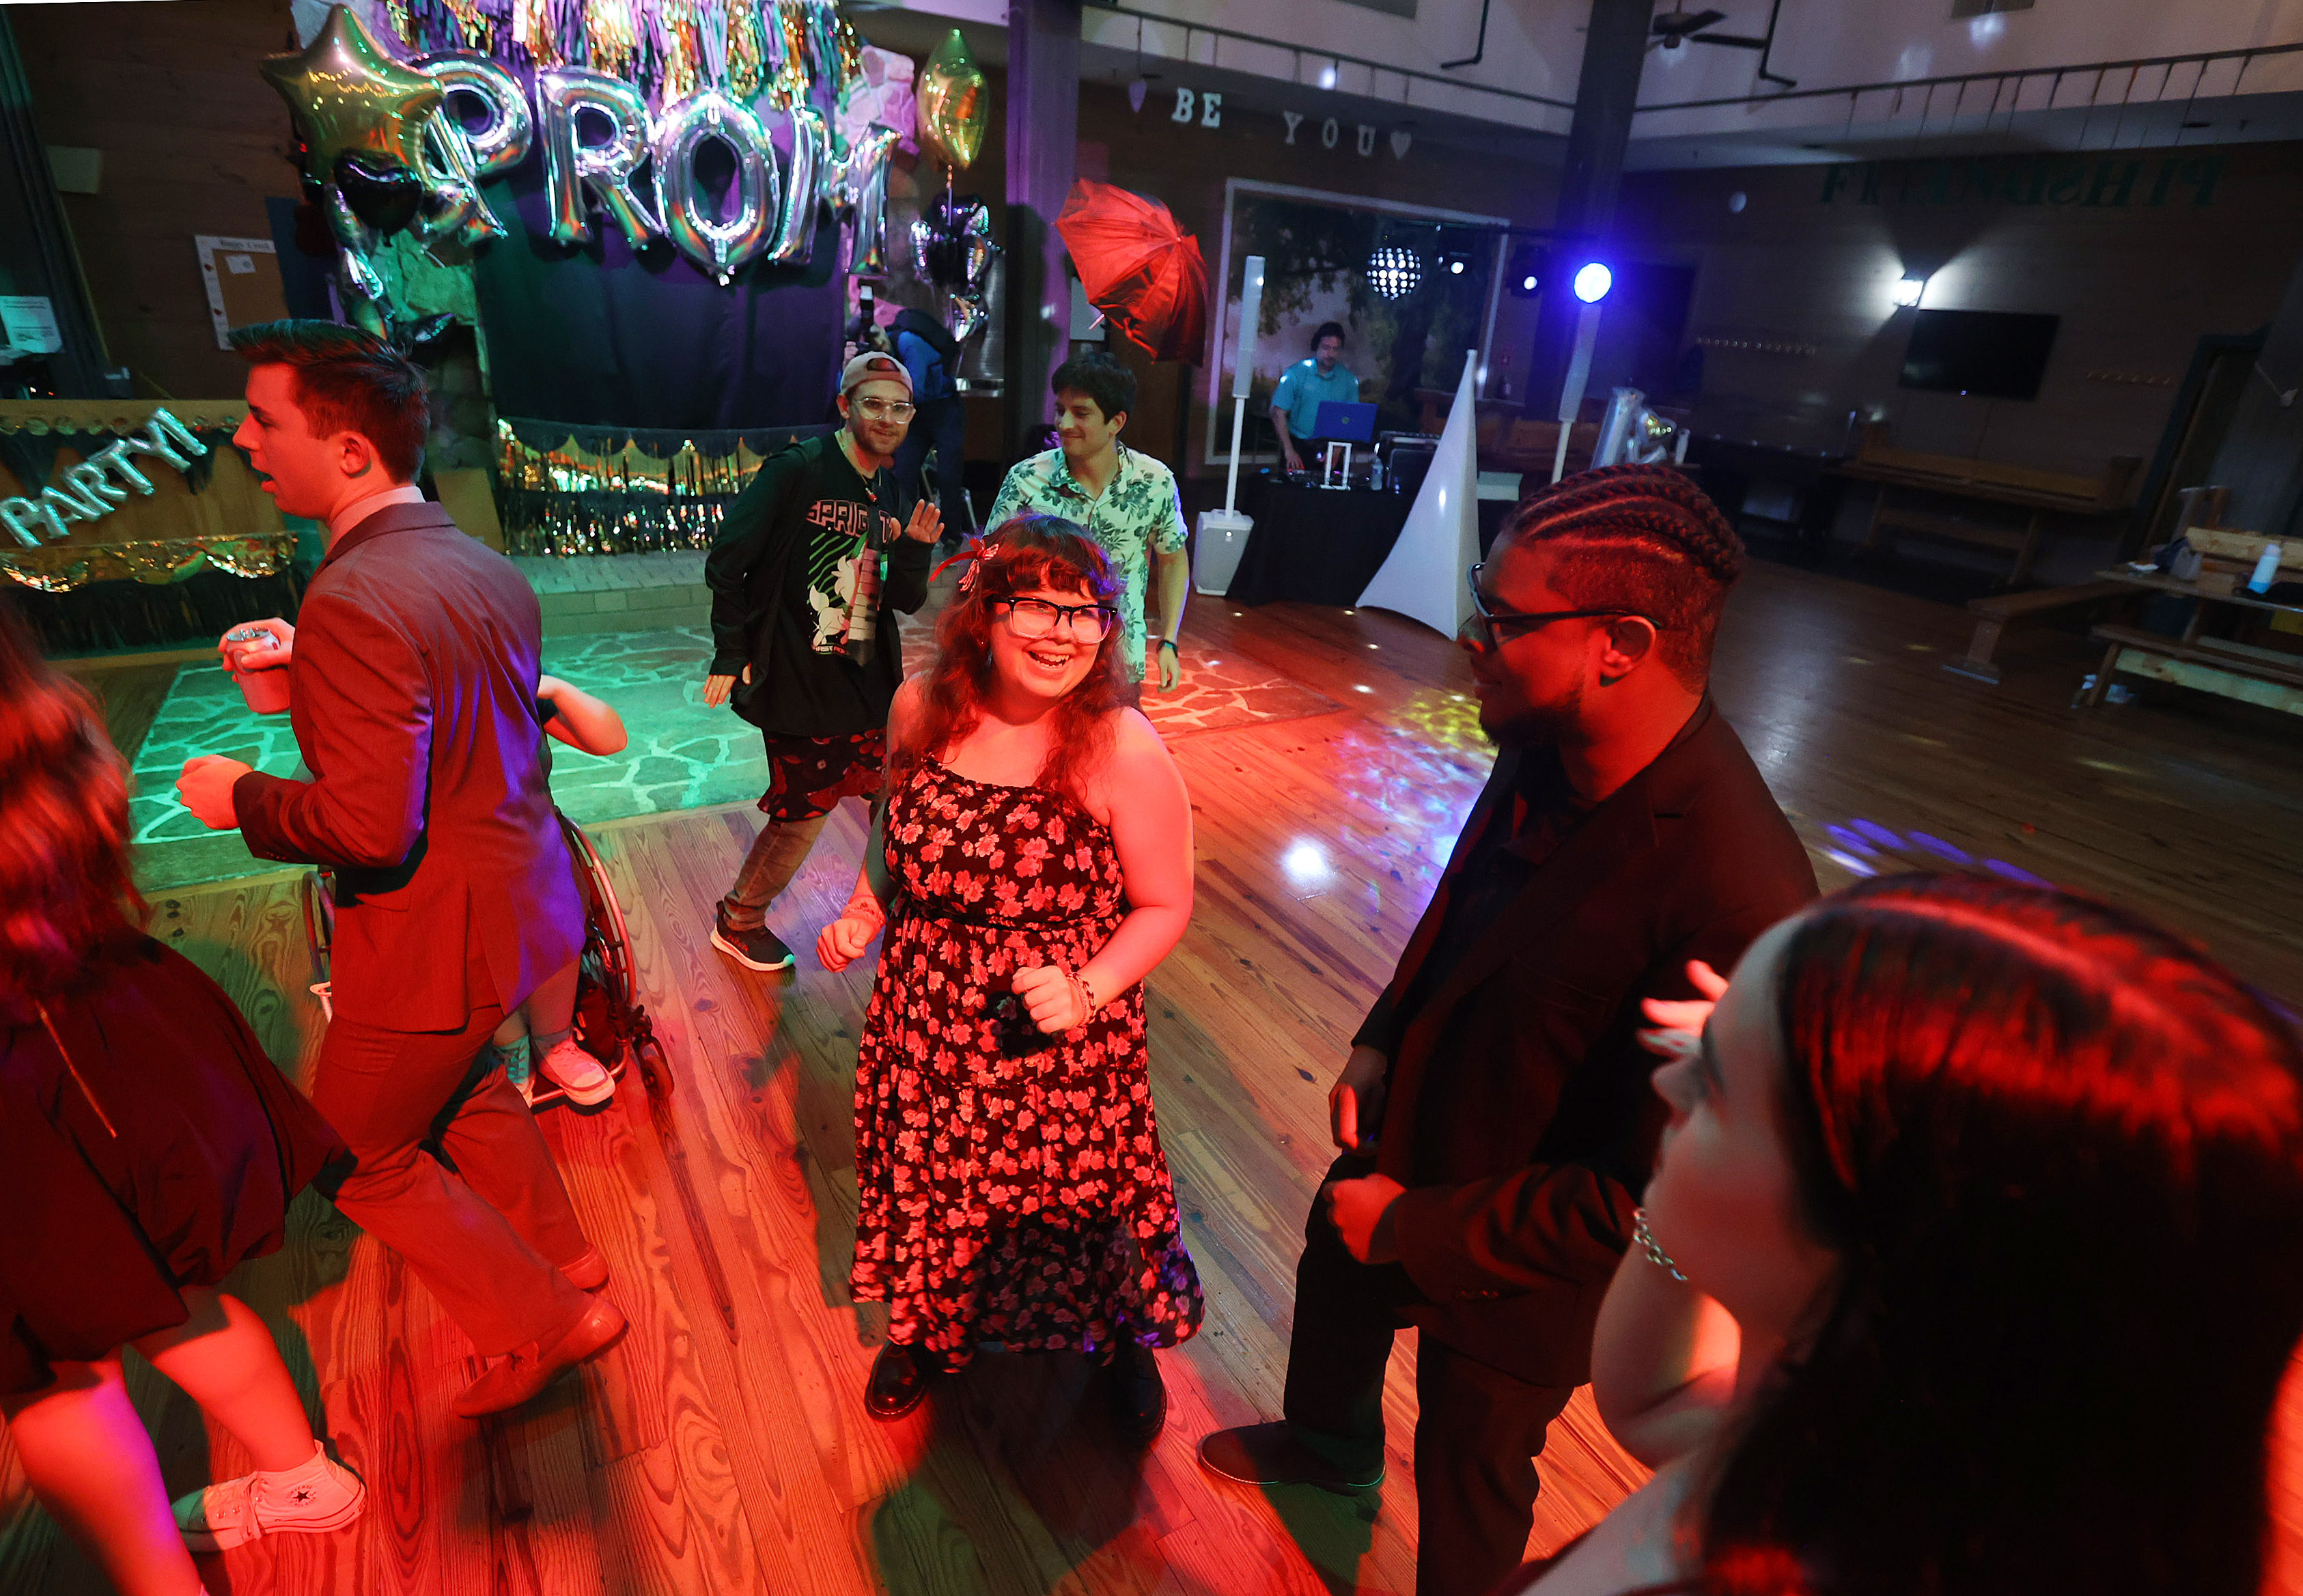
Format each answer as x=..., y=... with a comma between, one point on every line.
x=92, y=488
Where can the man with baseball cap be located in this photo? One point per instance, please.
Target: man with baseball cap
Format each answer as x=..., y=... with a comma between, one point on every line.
x=806, y=573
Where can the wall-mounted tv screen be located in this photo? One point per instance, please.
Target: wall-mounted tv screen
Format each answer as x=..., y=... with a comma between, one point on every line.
x=1995, y=354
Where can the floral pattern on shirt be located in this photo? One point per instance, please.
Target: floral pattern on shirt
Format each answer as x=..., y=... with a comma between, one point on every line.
x=1019, y=1200
x=1139, y=515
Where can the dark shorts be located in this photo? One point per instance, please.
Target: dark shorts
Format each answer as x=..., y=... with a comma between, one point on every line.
x=807, y=776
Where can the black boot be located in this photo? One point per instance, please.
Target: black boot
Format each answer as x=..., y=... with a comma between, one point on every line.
x=1139, y=1396
x=898, y=1383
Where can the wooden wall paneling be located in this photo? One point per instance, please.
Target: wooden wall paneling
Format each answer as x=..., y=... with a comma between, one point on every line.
x=193, y=141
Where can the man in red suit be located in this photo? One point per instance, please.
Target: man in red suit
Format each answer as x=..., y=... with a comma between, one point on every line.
x=413, y=680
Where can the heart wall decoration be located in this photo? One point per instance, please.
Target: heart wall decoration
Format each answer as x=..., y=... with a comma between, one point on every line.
x=1400, y=140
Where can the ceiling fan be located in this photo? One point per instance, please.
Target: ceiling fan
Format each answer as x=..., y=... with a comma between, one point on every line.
x=1672, y=27
x=1680, y=26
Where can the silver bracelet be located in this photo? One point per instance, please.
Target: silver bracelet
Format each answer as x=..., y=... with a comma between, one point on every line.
x=1644, y=1239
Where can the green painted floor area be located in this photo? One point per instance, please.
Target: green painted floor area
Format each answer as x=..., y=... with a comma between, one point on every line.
x=682, y=754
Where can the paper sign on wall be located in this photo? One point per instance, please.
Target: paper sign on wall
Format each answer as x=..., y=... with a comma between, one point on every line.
x=242, y=279
x=30, y=323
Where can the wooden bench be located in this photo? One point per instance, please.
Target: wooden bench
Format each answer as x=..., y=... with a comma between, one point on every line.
x=2042, y=494
x=2241, y=670
x=1993, y=615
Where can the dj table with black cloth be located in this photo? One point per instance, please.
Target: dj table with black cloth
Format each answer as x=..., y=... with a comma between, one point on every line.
x=1318, y=546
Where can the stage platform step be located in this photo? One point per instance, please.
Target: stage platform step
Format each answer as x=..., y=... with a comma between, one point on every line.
x=618, y=593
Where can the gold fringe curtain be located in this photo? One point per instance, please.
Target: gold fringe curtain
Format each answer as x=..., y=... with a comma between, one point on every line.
x=564, y=490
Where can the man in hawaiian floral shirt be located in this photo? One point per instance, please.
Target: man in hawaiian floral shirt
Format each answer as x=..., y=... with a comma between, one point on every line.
x=1123, y=499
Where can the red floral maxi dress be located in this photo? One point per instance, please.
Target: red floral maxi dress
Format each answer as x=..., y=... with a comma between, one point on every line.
x=1018, y=1200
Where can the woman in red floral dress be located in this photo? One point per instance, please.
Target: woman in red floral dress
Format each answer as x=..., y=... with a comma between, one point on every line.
x=1038, y=855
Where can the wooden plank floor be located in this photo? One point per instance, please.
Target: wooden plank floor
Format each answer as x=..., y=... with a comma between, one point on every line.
x=722, y=1446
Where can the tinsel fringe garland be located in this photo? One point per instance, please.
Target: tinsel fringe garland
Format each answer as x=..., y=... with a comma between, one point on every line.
x=608, y=523
x=199, y=609
x=669, y=47
x=597, y=489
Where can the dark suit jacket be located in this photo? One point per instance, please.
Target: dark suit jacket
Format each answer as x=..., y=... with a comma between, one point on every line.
x=1519, y=1113
x=414, y=704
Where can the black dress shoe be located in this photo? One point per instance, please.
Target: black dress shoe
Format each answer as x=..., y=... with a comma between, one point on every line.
x=1270, y=1455
x=898, y=1383
x=1139, y=1396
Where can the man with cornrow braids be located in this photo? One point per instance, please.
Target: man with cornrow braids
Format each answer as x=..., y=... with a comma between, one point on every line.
x=1494, y=1120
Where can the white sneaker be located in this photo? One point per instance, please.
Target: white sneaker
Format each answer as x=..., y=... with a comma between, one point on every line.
x=576, y=1073
x=320, y=1495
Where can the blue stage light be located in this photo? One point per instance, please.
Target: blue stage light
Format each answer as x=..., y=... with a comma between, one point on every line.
x=1592, y=282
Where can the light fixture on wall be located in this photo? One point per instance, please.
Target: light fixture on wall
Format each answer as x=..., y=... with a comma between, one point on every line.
x=1394, y=273
x=1908, y=291
x=1523, y=274
x=1593, y=282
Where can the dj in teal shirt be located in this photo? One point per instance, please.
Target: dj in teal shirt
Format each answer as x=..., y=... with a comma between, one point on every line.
x=1302, y=389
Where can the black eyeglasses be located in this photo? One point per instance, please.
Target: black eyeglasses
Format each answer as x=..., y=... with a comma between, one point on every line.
x=1037, y=618
x=1485, y=628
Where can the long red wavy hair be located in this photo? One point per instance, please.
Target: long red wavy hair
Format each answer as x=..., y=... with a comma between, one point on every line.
x=1028, y=553
x=64, y=883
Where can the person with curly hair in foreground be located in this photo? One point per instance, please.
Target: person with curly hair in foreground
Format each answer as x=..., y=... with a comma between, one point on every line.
x=1038, y=849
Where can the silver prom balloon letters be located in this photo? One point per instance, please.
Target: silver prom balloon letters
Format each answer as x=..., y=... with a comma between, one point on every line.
x=775, y=204
x=721, y=248
x=502, y=142
x=856, y=186
x=452, y=210
x=571, y=166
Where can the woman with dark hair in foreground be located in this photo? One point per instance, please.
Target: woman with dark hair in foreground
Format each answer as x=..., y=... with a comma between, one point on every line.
x=1039, y=852
x=147, y=1147
x=1971, y=1266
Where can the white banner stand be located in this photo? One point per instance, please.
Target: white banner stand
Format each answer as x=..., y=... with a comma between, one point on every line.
x=1425, y=578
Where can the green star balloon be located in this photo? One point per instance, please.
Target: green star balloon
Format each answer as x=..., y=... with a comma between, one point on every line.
x=352, y=99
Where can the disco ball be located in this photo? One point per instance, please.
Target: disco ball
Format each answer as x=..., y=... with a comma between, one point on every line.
x=1394, y=272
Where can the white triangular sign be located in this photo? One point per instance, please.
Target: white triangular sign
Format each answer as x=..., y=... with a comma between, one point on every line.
x=1424, y=577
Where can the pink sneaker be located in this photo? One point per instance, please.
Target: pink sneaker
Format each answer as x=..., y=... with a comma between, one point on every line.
x=576, y=1073
x=316, y=1496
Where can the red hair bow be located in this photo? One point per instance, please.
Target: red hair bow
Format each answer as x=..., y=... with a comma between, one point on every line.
x=975, y=554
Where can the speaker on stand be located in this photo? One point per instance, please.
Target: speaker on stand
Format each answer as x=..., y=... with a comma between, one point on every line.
x=1223, y=533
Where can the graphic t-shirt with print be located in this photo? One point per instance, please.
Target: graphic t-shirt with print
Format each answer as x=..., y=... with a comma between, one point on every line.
x=1139, y=514
x=807, y=564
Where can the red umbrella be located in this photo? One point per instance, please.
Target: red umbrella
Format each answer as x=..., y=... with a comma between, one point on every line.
x=1139, y=268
